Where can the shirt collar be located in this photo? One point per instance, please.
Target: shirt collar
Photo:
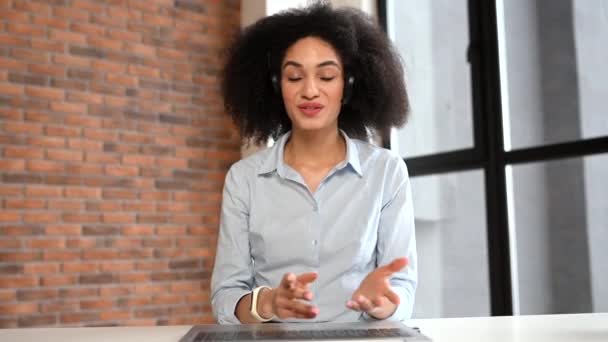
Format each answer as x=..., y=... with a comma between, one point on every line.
x=274, y=161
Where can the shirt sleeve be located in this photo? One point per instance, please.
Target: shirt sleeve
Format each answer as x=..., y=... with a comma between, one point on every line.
x=397, y=238
x=233, y=271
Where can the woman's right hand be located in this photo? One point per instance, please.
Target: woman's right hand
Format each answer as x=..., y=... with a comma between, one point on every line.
x=289, y=299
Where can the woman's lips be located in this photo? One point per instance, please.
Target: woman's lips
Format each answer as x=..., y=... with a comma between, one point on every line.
x=310, y=109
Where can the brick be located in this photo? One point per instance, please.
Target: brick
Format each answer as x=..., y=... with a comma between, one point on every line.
x=99, y=134
x=48, y=46
x=12, y=165
x=114, y=170
x=36, y=294
x=50, y=22
x=87, y=29
x=25, y=29
x=46, y=141
x=97, y=278
x=96, y=304
x=140, y=70
x=79, y=292
x=29, y=321
x=82, y=192
x=104, y=206
x=168, y=162
x=9, y=216
x=68, y=84
x=109, y=66
x=62, y=255
x=20, y=178
x=79, y=267
x=117, y=267
x=65, y=205
x=84, y=97
x=45, y=166
x=105, y=43
x=63, y=229
x=67, y=36
x=62, y=131
x=137, y=230
x=11, y=89
x=45, y=243
x=59, y=306
x=23, y=127
x=18, y=282
x=100, y=254
x=40, y=217
x=40, y=268
x=12, y=40
x=58, y=280
x=69, y=107
x=126, y=36
x=19, y=230
x=23, y=152
x=10, y=190
x=125, y=243
x=72, y=61
x=82, y=243
x=86, y=51
x=43, y=191
x=121, y=79
x=69, y=13
x=115, y=316
x=99, y=230
x=7, y=296
x=12, y=15
x=115, y=218
x=139, y=206
x=45, y=93
x=81, y=218
x=42, y=117
x=24, y=204
x=29, y=55
x=64, y=155
x=20, y=308
x=33, y=7
x=80, y=317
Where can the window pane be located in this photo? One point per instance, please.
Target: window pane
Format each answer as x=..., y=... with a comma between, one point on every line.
x=553, y=68
x=452, y=249
x=432, y=37
x=560, y=212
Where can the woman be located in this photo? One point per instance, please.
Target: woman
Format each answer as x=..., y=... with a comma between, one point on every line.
x=320, y=226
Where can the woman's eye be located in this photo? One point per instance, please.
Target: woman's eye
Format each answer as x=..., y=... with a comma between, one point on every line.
x=294, y=79
x=327, y=79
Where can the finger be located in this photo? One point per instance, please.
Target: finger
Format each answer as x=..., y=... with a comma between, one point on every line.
x=307, y=310
x=312, y=313
x=351, y=304
x=364, y=303
x=394, y=266
x=299, y=293
x=288, y=281
x=392, y=296
x=378, y=301
x=307, y=278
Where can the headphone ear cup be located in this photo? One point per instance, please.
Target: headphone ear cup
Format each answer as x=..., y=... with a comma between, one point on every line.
x=348, y=89
x=275, y=84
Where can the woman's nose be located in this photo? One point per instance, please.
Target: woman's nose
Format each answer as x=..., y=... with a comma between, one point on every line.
x=310, y=90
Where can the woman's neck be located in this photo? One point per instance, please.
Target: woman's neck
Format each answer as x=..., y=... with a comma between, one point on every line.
x=315, y=148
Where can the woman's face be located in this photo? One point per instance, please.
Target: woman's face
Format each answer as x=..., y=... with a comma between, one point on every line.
x=312, y=84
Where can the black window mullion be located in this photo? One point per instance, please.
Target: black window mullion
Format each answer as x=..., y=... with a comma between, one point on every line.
x=487, y=109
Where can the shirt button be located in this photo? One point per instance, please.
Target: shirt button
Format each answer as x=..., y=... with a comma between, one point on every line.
x=314, y=242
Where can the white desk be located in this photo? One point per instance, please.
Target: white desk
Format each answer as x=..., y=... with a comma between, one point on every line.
x=551, y=328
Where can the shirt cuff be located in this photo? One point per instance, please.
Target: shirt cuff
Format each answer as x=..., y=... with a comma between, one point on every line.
x=227, y=306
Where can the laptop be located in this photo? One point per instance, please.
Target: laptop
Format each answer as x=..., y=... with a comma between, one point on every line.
x=325, y=332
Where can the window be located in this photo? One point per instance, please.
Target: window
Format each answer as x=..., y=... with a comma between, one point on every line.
x=507, y=149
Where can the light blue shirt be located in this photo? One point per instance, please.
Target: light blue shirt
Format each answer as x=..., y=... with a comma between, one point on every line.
x=360, y=217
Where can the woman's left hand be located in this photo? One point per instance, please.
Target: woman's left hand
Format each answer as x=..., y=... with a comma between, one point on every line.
x=375, y=295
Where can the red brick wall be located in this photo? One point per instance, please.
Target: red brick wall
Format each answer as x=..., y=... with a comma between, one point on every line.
x=113, y=148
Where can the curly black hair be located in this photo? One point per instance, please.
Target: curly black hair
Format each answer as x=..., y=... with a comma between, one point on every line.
x=378, y=100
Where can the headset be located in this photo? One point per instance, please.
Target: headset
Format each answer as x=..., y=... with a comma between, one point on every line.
x=347, y=93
